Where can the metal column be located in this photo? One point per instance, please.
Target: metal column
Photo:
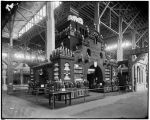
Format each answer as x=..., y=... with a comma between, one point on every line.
x=10, y=57
x=132, y=74
x=50, y=43
x=96, y=17
x=10, y=74
x=119, y=48
x=133, y=39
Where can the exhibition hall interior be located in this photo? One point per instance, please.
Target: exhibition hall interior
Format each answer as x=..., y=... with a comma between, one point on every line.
x=74, y=59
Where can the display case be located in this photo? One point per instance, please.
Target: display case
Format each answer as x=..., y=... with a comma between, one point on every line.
x=32, y=75
x=63, y=62
x=107, y=74
x=67, y=73
x=78, y=72
x=56, y=72
x=114, y=78
x=107, y=87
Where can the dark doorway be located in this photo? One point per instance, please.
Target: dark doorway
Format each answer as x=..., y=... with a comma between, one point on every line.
x=95, y=78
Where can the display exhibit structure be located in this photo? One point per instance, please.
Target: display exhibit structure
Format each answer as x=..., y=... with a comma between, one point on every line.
x=79, y=60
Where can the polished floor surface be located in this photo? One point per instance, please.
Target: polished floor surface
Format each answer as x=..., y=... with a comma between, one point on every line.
x=97, y=105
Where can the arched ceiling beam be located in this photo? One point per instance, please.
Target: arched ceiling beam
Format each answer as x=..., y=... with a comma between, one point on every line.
x=29, y=11
x=26, y=20
x=130, y=22
x=100, y=22
x=109, y=28
x=83, y=5
x=118, y=16
x=141, y=36
x=104, y=10
x=114, y=5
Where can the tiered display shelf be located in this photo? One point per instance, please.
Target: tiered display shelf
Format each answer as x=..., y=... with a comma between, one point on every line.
x=78, y=72
x=107, y=73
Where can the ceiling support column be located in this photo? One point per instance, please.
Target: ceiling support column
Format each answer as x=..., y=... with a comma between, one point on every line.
x=133, y=43
x=96, y=17
x=50, y=42
x=10, y=27
x=10, y=71
x=132, y=67
x=10, y=74
x=119, y=47
x=133, y=39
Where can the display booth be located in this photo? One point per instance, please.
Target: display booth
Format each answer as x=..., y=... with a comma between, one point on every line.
x=139, y=72
x=124, y=82
x=79, y=62
x=21, y=74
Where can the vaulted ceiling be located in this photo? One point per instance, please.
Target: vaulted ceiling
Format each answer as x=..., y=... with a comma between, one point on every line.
x=134, y=18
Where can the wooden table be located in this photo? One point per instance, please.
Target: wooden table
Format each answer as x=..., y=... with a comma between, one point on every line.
x=54, y=94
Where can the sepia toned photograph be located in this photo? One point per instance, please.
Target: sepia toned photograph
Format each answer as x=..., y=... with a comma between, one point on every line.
x=74, y=60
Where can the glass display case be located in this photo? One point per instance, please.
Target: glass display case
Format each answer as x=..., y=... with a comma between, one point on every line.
x=107, y=87
x=31, y=75
x=56, y=72
x=107, y=73
x=114, y=79
x=78, y=72
x=67, y=71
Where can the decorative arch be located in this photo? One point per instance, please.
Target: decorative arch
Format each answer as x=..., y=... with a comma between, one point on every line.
x=87, y=66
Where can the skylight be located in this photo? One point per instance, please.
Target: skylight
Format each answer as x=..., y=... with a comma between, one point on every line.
x=36, y=19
